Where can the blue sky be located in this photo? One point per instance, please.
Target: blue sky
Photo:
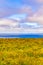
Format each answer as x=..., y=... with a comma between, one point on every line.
x=17, y=11
x=15, y=5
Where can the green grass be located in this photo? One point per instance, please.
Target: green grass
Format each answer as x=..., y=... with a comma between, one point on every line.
x=21, y=51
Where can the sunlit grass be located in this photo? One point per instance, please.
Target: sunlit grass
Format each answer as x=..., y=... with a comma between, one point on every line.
x=21, y=51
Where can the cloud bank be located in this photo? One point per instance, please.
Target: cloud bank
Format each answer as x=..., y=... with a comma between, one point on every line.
x=11, y=26
x=34, y=14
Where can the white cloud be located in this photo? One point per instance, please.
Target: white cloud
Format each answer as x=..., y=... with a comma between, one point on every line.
x=37, y=19
x=17, y=17
x=9, y=22
x=37, y=16
x=13, y=27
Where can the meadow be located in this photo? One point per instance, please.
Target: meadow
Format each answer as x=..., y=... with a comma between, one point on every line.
x=25, y=51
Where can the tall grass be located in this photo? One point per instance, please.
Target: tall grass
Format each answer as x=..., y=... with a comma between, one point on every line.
x=21, y=51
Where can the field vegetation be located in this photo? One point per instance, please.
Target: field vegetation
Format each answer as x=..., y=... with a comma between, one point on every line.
x=21, y=51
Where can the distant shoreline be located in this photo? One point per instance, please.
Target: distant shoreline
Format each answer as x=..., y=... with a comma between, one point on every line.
x=22, y=36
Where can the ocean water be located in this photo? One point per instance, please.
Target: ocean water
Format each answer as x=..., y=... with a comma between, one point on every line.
x=22, y=36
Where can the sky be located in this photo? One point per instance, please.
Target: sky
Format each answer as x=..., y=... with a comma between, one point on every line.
x=21, y=16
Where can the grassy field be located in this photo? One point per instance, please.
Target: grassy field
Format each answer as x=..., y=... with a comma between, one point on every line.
x=21, y=51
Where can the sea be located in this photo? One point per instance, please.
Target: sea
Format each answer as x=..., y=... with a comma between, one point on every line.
x=22, y=36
